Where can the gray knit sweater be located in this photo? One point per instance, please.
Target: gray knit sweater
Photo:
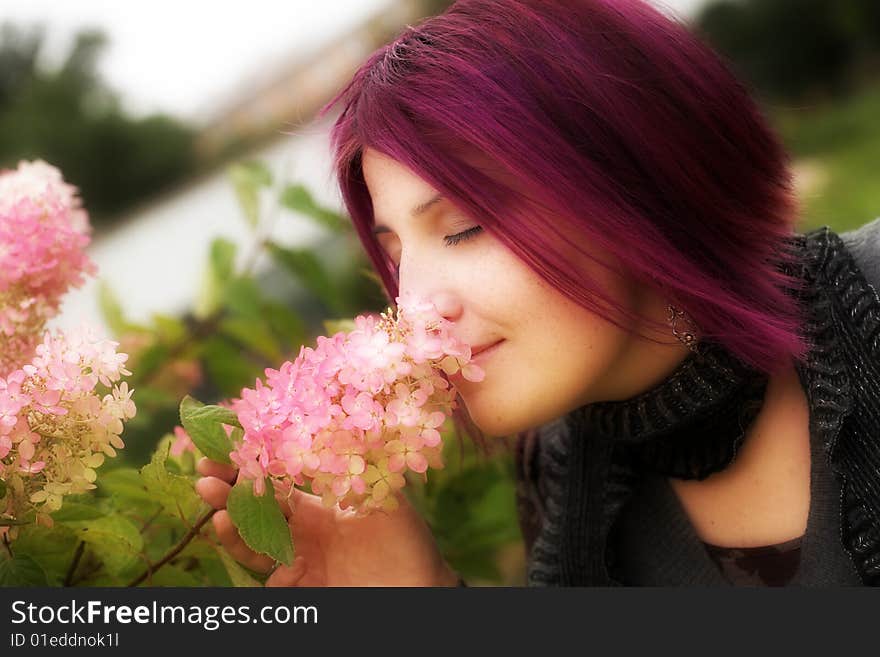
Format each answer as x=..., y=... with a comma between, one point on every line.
x=594, y=502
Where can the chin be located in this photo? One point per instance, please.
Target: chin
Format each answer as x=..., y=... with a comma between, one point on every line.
x=508, y=419
x=496, y=422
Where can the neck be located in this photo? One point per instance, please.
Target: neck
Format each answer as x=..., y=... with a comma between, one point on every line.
x=644, y=369
x=655, y=354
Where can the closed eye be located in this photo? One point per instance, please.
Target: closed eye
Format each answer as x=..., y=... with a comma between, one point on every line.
x=452, y=240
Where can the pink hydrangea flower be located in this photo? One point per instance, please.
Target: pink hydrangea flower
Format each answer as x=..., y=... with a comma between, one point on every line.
x=61, y=414
x=182, y=443
x=43, y=236
x=358, y=411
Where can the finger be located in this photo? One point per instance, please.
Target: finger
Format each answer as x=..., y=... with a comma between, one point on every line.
x=282, y=496
x=208, y=468
x=284, y=503
x=233, y=543
x=214, y=491
x=288, y=575
x=308, y=516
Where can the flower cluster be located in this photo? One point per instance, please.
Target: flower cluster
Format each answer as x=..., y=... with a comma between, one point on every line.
x=55, y=425
x=61, y=409
x=353, y=414
x=43, y=234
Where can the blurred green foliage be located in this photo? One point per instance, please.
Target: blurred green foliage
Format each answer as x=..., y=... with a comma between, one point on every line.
x=836, y=149
x=814, y=65
x=795, y=49
x=70, y=118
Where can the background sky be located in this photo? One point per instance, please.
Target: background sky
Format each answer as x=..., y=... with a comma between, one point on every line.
x=186, y=57
x=183, y=56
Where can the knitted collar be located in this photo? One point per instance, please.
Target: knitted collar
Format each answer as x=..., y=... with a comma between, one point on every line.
x=667, y=428
x=691, y=424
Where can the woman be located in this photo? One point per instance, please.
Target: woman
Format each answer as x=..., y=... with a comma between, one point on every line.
x=592, y=199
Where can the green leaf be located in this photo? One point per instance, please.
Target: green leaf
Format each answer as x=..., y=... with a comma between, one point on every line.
x=126, y=484
x=198, y=412
x=150, y=360
x=223, y=259
x=299, y=199
x=244, y=297
x=51, y=547
x=74, y=511
x=474, y=517
x=174, y=492
x=221, y=270
x=21, y=570
x=210, y=566
x=264, y=325
x=305, y=266
x=285, y=324
x=237, y=574
x=172, y=575
x=247, y=179
x=2, y=488
x=334, y=326
x=114, y=539
x=204, y=426
x=111, y=309
x=228, y=367
x=253, y=334
x=170, y=330
x=259, y=520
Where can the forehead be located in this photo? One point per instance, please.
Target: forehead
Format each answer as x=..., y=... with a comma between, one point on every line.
x=383, y=174
x=394, y=188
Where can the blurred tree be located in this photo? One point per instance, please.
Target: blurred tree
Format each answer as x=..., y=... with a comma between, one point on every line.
x=796, y=48
x=434, y=7
x=70, y=118
x=18, y=60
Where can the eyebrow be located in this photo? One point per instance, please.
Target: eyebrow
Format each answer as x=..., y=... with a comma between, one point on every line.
x=420, y=209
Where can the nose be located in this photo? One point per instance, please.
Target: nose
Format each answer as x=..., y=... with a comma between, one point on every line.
x=430, y=283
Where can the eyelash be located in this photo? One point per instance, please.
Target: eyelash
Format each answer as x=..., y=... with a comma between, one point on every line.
x=452, y=240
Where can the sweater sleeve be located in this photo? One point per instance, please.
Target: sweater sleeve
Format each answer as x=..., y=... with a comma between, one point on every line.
x=864, y=245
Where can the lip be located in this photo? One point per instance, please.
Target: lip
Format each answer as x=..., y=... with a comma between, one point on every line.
x=485, y=351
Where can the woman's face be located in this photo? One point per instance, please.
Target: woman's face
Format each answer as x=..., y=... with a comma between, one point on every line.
x=548, y=354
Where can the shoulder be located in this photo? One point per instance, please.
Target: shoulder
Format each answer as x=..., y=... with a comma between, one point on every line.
x=864, y=245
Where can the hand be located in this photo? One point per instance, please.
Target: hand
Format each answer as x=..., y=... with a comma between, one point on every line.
x=334, y=547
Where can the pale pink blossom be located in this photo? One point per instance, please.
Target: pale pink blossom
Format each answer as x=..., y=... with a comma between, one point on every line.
x=43, y=235
x=356, y=412
x=182, y=443
x=59, y=420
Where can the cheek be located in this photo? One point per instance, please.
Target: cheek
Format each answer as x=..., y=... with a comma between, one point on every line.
x=556, y=357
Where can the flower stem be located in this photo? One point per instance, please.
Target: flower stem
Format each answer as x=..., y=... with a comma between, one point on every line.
x=8, y=546
x=173, y=552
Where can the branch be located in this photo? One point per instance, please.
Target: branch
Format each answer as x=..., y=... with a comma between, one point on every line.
x=15, y=523
x=173, y=552
x=150, y=520
x=96, y=567
x=68, y=579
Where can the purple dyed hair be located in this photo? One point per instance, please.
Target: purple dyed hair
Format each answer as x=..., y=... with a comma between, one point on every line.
x=562, y=124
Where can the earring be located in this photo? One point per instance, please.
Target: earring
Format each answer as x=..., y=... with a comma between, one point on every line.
x=686, y=334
